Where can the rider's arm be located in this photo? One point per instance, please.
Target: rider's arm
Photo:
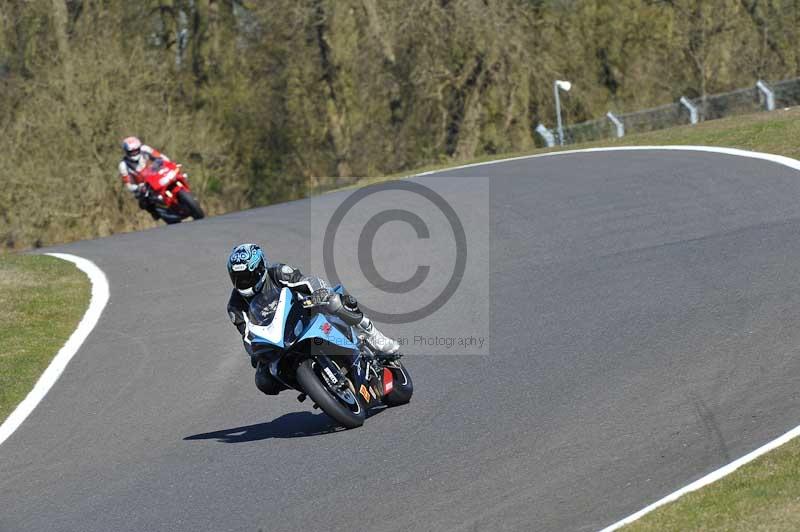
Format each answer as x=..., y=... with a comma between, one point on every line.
x=237, y=306
x=153, y=153
x=290, y=277
x=126, y=177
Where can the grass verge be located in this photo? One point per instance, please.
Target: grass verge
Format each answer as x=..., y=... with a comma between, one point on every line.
x=42, y=300
x=776, y=132
x=762, y=495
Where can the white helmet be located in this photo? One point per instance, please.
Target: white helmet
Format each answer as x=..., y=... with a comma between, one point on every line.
x=132, y=147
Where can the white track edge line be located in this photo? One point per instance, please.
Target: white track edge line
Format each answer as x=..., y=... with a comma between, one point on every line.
x=99, y=298
x=733, y=466
x=780, y=159
x=708, y=479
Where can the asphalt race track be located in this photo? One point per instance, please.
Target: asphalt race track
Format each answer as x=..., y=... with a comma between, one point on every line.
x=644, y=310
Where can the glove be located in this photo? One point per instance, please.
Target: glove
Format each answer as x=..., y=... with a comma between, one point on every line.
x=132, y=187
x=320, y=296
x=141, y=191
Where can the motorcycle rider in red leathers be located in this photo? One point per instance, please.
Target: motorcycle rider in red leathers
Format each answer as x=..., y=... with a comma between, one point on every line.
x=137, y=157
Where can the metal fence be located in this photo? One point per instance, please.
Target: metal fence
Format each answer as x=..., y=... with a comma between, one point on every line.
x=759, y=97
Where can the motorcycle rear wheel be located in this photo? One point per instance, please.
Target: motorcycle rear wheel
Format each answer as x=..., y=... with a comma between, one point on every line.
x=315, y=388
x=190, y=204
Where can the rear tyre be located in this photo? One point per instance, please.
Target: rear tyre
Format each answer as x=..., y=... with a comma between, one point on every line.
x=350, y=417
x=190, y=204
x=403, y=387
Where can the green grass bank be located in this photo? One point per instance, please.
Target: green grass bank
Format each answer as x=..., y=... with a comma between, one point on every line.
x=777, y=132
x=42, y=300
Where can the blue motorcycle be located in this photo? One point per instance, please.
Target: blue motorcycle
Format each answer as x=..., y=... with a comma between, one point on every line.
x=321, y=356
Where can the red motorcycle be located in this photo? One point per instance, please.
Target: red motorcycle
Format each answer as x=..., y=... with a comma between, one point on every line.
x=167, y=189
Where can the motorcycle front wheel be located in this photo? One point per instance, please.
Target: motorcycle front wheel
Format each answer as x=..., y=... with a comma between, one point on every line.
x=190, y=204
x=344, y=407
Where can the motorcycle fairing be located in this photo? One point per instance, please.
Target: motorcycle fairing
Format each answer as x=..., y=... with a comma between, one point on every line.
x=272, y=334
x=321, y=328
x=316, y=332
x=165, y=180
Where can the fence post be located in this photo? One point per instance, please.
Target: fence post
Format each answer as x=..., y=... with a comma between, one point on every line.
x=181, y=38
x=547, y=135
x=617, y=123
x=692, y=109
x=769, y=95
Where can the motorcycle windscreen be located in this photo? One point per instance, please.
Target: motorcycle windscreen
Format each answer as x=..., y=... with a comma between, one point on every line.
x=263, y=306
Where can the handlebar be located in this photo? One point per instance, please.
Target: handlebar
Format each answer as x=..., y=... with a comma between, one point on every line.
x=308, y=302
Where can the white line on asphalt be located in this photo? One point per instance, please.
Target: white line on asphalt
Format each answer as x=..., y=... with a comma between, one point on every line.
x=780, y=159
x=708, y=479
x=100, y=293
x=733, y=466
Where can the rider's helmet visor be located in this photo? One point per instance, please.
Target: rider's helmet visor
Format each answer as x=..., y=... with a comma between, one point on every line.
x=245, y=278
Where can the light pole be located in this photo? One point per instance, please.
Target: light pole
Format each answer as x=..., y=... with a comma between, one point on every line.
x=566, y=86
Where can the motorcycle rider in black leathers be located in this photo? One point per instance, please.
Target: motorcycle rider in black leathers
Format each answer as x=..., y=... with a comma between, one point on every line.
x=249, y=272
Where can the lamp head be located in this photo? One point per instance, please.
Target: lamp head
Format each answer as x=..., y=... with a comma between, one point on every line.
x=563, y=85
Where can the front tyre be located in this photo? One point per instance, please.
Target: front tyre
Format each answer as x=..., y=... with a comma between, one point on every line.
x=402, y=388
x=190, y=204
x=350, y=416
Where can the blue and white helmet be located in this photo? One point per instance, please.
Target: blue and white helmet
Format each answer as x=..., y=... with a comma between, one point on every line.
x=247, y=267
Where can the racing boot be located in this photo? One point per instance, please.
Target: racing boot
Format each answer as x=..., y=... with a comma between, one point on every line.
x=386, y=349
x=346, y=308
